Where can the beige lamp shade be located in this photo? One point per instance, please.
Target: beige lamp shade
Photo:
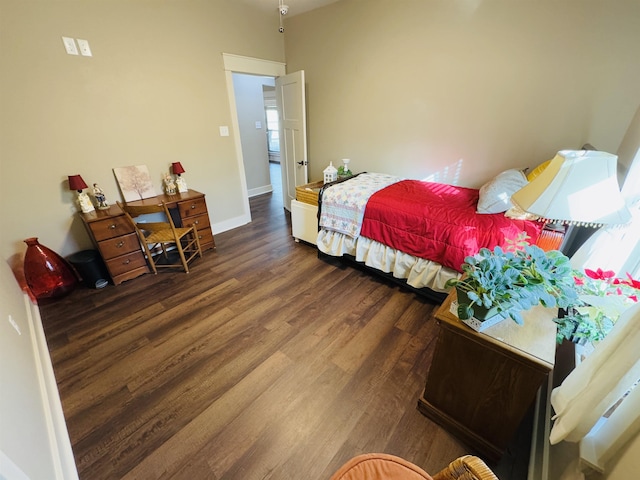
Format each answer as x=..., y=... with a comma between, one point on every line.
x=577, y=187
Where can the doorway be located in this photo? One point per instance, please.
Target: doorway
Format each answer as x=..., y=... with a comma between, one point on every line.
x=253, y=66
x=257, y=115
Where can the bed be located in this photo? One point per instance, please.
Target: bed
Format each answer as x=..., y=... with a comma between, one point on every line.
x=414, y=232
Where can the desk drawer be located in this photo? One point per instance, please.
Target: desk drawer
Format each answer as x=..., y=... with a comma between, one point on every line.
x=125, y=263
x=200, y=221
x=191, y=208
x=111, y=227
x=114, y=247
x=206, y=238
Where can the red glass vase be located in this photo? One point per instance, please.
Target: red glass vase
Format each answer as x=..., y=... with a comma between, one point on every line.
x=48, y=275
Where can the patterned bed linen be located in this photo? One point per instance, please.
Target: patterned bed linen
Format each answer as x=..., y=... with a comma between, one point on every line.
x=343, y=204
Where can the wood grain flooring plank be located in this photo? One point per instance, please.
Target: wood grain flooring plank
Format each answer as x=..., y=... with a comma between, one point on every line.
x=173, y=455
x=293, y=422
x=369, y=337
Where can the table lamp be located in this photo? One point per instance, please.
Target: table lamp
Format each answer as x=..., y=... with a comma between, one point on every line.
x=577, y=188
x=77, y=183
x=178, y=170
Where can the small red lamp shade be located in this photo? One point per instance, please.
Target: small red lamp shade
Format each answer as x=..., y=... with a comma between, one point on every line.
x=177, y=168
x=76, y=183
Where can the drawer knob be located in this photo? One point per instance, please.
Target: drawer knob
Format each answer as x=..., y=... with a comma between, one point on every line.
x=126, y=262
x=196, y=222
x=193, y=205
x=112, y=226
x=120, y=244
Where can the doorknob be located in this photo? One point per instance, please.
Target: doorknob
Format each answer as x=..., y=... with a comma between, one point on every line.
x=302, y=162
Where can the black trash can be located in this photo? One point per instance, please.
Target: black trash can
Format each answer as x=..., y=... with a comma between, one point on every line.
x=90, y=267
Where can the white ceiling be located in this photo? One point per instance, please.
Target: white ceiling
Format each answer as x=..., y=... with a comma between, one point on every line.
x=295, y=6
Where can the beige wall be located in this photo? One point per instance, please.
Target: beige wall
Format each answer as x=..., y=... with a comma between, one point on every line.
x=412, y=87
x=153, y=93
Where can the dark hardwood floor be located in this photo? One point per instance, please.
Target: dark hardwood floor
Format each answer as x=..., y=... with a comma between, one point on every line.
x=263, y=362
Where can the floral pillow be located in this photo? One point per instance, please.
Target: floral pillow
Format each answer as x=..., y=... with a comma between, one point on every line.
x=495, y=195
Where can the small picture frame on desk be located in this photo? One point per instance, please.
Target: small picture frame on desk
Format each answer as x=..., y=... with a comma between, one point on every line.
x=134, y=182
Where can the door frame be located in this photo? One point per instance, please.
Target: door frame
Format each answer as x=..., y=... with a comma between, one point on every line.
x=252, y=66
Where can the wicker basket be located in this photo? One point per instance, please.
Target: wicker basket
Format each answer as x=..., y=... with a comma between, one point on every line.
x=308, y=193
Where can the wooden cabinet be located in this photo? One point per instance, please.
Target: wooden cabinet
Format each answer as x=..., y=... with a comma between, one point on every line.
x=481, y=385
x=117, y=242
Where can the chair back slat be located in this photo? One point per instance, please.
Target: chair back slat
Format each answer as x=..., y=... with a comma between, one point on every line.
x=153, y=226
x=137, y=210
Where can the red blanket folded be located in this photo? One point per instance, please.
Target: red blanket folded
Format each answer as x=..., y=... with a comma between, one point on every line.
x=438, y=222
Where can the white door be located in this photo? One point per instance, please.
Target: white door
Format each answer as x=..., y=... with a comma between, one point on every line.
x=290, y=97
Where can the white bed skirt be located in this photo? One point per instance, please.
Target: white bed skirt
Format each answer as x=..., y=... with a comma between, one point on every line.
x=418, y=272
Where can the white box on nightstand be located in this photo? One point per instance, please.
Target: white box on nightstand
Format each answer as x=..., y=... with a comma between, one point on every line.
x=304, y=221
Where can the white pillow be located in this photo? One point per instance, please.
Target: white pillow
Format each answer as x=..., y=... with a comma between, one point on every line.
x=495, y=195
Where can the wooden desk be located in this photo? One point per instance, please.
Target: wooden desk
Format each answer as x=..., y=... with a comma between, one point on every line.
x=118, y=244
x=481, y=385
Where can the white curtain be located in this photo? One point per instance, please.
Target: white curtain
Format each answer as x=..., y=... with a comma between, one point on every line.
x=599, y=381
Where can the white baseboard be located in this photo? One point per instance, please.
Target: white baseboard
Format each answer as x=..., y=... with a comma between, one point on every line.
x=230, y=224
x=254, y=192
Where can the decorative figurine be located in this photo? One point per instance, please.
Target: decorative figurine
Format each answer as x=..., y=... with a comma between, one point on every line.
x=101, y=199
x=330, y=173
x=169, y=185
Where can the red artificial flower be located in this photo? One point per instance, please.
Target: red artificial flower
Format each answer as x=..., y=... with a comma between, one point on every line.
x=630, y=281
x=578, y=281
x=600, y=274
x=633, y=298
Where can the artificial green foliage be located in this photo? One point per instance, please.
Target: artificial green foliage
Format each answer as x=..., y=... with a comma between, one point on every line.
x=514, y=280
x=579, y=327
x=344, y=171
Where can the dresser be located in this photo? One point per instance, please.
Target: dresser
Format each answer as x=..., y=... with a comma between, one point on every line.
x=481, y=385
x=117, y=241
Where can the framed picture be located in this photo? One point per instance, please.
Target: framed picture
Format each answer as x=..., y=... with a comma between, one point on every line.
x=134, y=182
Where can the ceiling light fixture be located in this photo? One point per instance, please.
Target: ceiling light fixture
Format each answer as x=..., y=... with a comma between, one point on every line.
x=282, y=10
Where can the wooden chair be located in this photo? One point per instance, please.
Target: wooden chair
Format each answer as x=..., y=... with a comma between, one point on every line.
x=382, y=466
x=466, y=468
x=161, y=236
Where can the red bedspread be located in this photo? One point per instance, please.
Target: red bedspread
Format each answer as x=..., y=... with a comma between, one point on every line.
x=437, y=222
